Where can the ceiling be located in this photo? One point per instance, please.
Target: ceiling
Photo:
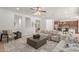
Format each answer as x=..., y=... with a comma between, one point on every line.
x=52, y=12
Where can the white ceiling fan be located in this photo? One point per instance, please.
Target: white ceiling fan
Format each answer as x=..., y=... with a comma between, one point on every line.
x=38, y=10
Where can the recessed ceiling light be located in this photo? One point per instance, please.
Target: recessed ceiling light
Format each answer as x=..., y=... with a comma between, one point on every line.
x=17, y=8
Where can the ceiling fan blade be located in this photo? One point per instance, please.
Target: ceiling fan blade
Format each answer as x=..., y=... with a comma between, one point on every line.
x=32, y=8
x=42, y=11
x=35, y=9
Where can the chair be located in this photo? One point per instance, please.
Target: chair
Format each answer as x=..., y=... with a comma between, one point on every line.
x=4, y=34
x=18, y=34
x=11, y=35
x=55, y=38
x=0, y=34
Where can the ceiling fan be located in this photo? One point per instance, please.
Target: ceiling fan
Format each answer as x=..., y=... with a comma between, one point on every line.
x=38, y=10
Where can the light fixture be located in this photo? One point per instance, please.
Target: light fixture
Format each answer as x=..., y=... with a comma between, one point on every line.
x=20, y=21
x=17, y=9
x=37, y=13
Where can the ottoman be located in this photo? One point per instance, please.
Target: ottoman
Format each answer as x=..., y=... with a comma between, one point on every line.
x=36, y=43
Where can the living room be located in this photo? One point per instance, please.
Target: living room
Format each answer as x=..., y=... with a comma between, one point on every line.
x=53, y=23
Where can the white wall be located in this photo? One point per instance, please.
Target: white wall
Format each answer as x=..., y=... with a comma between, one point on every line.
x=61, y=12
x=7, y=22
x=49, y=25
x=43, y=24
x=31, y=28
x=6, y=19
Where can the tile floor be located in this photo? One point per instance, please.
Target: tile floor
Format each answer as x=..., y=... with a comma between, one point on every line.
x=20, y=45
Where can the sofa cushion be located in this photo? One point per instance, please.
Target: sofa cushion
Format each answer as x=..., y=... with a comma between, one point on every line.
x=55, y=38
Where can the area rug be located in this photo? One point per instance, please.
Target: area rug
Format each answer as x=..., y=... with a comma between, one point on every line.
x=20, y=45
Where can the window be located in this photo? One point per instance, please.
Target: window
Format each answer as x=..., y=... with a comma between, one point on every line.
x=17, y=21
